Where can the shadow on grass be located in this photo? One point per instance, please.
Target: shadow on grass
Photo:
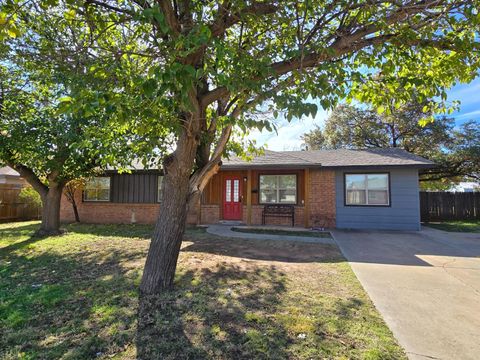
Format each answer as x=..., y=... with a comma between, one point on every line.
x=84, y=305
x=75, y=297
x=76, y=305
x=224, y=312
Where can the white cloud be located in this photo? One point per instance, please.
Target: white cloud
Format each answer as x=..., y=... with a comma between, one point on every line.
x=466, y=93
x=289, y=133
x=468, y=115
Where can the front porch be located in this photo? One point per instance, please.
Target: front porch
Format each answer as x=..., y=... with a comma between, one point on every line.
x=241, y=195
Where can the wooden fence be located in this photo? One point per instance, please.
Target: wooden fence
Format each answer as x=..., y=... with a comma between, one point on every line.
x=436, y=206
x=11, y=208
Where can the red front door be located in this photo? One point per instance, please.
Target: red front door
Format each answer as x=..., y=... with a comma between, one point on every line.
x=232, y=202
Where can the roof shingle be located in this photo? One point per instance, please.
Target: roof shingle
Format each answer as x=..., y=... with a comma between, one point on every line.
x=332, y=158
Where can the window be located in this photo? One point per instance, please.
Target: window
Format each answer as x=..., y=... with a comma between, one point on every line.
x=278, y=189
x=367, y=189
x=160, y=188
x=97, y=189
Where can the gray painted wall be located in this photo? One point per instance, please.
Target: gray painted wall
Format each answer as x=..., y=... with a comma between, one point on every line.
x=403, y=214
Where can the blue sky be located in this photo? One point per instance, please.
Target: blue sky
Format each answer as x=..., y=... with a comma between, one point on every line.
x=288, y=137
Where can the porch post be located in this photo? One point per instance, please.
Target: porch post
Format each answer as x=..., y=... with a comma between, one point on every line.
x=249, y=197
x=306, y=209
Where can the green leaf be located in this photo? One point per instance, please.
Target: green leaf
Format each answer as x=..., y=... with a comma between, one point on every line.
x=149, y=87
x=65, y=99
x=70, y=14
x=13, y=32
x=3, y=18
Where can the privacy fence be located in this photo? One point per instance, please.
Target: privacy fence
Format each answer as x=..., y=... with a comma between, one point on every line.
x=436, y=206
x=11, y=208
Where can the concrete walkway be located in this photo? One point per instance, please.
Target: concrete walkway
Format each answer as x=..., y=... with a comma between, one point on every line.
x=225, y=230
x=425, y=284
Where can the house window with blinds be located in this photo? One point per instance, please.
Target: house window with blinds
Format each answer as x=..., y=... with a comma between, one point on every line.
x=97, y=189
x=367, y=189
x=278, y=189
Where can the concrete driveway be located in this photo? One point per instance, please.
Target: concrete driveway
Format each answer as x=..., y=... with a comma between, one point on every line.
x=425, y=284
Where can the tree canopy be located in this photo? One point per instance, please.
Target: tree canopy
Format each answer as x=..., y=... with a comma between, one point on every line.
x=40, y=137
x=194, y=71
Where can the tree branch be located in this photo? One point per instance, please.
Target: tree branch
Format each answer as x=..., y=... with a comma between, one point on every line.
x=224, y=22
x=30, y=177
x=170, y=16
x=200, y=179
x=109, y=7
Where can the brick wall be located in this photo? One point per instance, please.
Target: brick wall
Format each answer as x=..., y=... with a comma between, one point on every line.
x=210, y=214
x=257, y=217
x=322, y=198
x=113, y=213
x=105, y=212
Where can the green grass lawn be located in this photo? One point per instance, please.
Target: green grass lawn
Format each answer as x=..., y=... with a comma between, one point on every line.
x=75, y=297
x=457, y=226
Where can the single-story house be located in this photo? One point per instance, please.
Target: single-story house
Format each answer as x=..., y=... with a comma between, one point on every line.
x=373, y=188
x=10, y=178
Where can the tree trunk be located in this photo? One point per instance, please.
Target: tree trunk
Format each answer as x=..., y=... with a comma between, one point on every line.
x=51, y=211
x=167, y=237
x=75, y=212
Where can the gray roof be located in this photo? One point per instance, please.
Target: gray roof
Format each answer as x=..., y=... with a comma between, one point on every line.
x=331, y=158
x=269, y=158
x=6, y=170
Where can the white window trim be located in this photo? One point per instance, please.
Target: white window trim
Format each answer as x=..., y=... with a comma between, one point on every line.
x=277, y=189
x=99, y=200
x=367, y=189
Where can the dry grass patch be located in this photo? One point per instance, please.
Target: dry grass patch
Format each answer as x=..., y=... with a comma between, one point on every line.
x=75, y=297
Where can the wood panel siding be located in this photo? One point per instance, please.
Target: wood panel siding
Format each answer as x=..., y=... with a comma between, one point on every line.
x=212, y=195
x=134, y=188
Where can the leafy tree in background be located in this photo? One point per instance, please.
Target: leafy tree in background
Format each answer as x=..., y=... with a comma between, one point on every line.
x=212, y=63
x=355, y=128
x=456, y=151
x=40, y=137
x=31, y=199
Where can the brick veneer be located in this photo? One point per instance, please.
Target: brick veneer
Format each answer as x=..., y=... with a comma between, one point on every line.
x=210, y=214
x=113, y=213
x=322, y=198
x=257, y=217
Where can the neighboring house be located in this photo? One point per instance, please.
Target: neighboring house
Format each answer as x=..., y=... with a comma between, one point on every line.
x=375, y=189
x=10, y=177
x=10, y=186
x=465, y=187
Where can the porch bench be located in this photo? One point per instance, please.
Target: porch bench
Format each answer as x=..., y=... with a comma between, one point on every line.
x=278, y=210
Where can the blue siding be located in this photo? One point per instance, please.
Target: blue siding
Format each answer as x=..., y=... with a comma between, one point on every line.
x=403, y=214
